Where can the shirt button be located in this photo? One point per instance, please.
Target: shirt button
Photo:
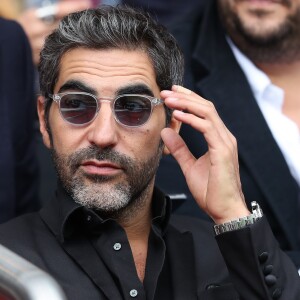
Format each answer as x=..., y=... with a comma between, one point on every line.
x=88, y=218
x=117, y=246
x=133, y=293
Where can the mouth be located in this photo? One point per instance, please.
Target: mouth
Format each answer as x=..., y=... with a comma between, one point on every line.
x=265, y=2
x=264, y=6
x=100, y=168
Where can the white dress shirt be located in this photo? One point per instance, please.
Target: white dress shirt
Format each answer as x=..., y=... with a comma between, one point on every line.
x=270, y=99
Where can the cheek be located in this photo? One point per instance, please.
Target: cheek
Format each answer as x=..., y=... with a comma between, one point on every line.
x=147, y=137
x=147, y=143
x=65, y=138
x=141, y=143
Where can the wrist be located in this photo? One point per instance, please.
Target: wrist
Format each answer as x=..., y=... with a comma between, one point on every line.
x=240, y=222
x=232, y=215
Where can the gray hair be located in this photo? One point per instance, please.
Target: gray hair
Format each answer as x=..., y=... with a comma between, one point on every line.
x=110, y=27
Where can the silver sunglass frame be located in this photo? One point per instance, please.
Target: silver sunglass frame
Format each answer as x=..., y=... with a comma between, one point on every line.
x=57, y=98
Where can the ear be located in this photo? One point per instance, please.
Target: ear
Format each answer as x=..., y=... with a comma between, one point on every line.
x=43, y=125
x=175, y=125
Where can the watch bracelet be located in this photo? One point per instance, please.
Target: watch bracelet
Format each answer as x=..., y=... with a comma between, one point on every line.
x=240, y=222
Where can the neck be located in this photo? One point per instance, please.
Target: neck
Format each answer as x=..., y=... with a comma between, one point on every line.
x=137, y=226
x=281, y=70
x=287, y=77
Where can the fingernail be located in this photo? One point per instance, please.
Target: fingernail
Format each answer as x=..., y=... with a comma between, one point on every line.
x=183, y=90
x=167, y=92
x=178, y=112
x=172, y=99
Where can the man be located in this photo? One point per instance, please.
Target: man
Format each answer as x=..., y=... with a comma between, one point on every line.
x=244, y=56
x=18, y=164
x=109, y=109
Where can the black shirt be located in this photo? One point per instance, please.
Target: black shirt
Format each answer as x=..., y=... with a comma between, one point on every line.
x=119, y=279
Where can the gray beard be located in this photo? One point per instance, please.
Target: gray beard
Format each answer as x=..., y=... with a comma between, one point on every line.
x=282, y=45
x=120, y=200
x=106, y=199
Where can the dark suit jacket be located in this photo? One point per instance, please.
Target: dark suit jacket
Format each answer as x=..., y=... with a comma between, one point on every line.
x=18, y=163
x=164, y=11
x=213, y=72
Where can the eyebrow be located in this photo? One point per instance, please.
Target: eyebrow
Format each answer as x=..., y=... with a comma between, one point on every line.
x=135, y=89
x=76, y=85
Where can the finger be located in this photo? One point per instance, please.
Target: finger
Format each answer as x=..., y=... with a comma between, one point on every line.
x=178, y=149
x=206, y=110
x=189, y=101
x=212, y=136
x=196, y=114
x=189, y=95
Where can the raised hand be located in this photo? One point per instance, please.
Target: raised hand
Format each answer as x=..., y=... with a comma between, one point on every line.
x=213, y=178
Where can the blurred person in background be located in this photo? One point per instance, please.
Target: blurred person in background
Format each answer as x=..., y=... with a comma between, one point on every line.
x=18, y=163
x=245, y=57
x=38, y=18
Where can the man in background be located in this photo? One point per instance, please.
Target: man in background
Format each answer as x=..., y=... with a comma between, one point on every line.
x=245, y=57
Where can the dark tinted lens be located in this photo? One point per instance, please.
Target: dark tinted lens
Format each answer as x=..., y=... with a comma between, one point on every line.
x=132, y=110
x=78, y=109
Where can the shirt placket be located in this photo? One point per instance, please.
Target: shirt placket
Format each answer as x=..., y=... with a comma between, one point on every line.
x=115, y=251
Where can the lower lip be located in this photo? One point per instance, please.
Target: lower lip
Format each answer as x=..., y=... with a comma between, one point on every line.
x=94, y=170
x=260, y=5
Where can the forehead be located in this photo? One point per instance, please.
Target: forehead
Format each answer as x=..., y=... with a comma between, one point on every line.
x=107, y=70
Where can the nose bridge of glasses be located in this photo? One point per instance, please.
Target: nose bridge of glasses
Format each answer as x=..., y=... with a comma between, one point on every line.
x=105, y=99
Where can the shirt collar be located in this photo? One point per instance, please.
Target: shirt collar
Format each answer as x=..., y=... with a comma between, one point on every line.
x=66, y=218
x=257, y=79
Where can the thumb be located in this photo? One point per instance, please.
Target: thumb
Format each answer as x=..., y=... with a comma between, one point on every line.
x=178, y=148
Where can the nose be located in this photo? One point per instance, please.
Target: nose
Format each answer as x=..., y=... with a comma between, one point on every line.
x=103, y=130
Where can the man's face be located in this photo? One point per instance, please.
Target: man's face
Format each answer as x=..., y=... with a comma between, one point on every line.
x=261, y=18
x=103, y=164
x=266, y=30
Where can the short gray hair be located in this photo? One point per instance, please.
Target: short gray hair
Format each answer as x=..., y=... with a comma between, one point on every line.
x=108, y=27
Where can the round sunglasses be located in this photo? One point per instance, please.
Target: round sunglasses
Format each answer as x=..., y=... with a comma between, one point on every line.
x=130, y=110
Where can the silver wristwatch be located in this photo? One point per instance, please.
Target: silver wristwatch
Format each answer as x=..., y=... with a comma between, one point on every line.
x=241, y=222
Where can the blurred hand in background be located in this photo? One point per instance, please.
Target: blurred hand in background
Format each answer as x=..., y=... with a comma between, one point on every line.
x=39, y=22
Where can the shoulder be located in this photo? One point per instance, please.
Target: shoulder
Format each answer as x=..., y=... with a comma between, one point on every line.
x=22, y=232
x=14, y=45
x=184, y=26
x=29, y=237
x=10, y=29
